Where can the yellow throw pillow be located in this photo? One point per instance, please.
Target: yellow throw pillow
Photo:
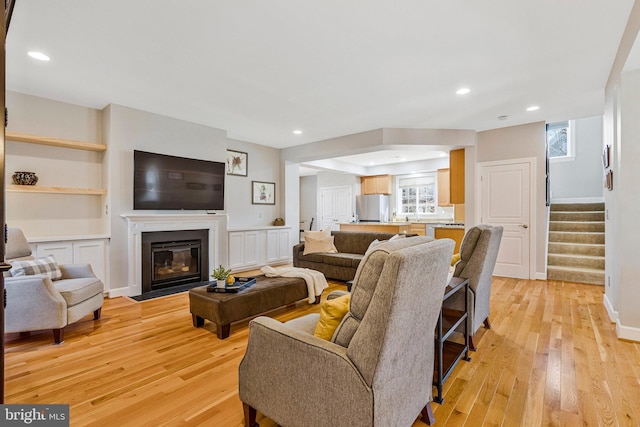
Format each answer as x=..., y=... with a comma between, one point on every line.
x=316, y=246
x=331, y=313
x=455, y=258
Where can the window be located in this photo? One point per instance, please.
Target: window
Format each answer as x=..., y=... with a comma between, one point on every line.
x=560, y=142
x=417, y=195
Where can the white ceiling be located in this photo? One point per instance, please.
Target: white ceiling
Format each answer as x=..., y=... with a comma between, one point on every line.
x=260, y=69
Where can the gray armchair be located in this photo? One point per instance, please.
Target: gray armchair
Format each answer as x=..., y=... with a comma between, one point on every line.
x=35, y=302
x=378, y=368
x=478, y=253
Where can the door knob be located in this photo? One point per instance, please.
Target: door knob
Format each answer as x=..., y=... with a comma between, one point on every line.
x=523, y=226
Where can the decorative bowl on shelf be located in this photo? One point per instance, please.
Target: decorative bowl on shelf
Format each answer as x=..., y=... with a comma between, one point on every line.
x=24, y=178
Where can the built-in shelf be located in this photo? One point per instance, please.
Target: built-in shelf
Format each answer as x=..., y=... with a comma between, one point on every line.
x=55, y=190
x=56, y=142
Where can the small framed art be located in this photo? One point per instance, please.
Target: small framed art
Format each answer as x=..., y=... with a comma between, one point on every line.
x=237, y=163
x=263, y=193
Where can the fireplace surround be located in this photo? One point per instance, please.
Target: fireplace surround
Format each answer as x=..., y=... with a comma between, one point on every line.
x=139, y=223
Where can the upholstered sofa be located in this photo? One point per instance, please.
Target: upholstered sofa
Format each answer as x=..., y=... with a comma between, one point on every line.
x=351, y=246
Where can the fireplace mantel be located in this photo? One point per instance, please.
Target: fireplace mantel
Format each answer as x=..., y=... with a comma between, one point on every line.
x=138, y=223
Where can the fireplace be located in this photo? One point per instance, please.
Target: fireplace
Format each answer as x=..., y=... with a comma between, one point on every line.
x=174, y=258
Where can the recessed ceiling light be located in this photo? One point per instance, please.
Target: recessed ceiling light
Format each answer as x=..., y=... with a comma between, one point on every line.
x=463, y=91
x=533, y=108
x=38, y=55
x=297, y=132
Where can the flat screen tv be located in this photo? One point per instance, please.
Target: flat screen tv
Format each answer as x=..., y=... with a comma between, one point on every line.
x=163, y=182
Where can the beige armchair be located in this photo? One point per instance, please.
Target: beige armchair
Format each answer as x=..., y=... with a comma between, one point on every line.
x=378, y=368
x=478, y=254
x=35, y=302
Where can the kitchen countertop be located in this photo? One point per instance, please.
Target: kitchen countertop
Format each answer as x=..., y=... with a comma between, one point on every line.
x=448, y=224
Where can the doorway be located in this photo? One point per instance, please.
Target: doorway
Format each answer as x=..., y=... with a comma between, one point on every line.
x=506, y=188
x=336, y=206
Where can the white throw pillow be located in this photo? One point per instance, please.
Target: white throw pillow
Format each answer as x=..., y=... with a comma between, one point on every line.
x=315, y=246
x=325, y=232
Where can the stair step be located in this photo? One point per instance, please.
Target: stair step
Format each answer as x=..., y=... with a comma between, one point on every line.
x=576, y=216
x=577, y=207
x=576, y=274
x=572, y=260
x=576, y=248
x=588, y=226
x=580, y=237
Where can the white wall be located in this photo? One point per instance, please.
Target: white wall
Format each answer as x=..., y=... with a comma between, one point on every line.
x=581, y=177
x=621, y=132
x=629, y=206
x=55, y=215
x=308, y=200
x=128, y=129
x=263, y=165
x=518, y=142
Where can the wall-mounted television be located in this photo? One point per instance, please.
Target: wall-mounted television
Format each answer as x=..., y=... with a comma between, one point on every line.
x=163, y=182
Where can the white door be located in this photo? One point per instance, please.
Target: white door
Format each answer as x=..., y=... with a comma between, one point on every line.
x=336, y=206
x=505, y=201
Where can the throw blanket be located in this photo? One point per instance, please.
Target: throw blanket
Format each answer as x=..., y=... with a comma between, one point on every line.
x=316, y=282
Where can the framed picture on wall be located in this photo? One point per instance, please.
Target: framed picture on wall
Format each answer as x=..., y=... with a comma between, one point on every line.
x=237, y=163
x=263, y=193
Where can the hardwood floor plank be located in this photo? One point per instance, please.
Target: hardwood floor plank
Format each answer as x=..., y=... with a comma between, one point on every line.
x=551, y=358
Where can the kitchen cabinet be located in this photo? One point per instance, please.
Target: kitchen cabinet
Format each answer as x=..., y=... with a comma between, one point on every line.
x=377, y=184
x=454, y=233
x=456, y=176
x=418, y=228
x=444, y=198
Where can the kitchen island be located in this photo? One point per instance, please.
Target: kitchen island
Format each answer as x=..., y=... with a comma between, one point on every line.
x=441, y=231
x=379, y=227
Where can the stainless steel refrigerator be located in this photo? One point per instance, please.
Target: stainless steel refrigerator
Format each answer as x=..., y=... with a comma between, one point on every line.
x=372, y=208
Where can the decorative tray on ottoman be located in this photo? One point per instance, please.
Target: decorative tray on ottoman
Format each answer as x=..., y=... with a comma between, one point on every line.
x=240, y=284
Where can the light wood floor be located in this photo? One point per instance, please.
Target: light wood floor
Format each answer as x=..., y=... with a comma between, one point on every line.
x=551, y=358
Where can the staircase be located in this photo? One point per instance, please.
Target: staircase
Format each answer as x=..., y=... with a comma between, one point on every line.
x=576, y=243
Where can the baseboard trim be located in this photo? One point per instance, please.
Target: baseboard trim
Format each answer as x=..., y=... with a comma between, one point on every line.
x=578, y=200
x=613, y=314
x=119, y=292
x=627, y=332
x=541, y=276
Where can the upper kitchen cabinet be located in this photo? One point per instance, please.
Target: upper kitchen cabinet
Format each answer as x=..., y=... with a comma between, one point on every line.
x=456, y=176
x=444, y=198
x=378, y=184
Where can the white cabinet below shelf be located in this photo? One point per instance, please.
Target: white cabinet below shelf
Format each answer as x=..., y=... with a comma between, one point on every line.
x=252, y=249
x=84, y=251
x=279, y=248
x=243, y=249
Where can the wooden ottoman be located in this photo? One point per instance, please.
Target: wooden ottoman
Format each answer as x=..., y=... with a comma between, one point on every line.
x=268, y=293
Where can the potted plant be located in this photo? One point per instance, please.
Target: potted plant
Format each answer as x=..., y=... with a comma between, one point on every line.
x=221, y=274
